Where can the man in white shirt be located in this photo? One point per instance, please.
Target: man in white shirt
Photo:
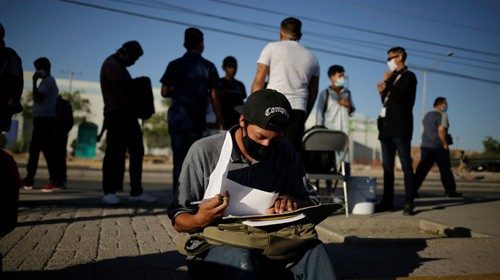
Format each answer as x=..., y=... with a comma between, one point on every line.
x=292, y=70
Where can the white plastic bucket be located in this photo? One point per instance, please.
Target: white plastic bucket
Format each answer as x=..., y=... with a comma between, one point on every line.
x=361, y=194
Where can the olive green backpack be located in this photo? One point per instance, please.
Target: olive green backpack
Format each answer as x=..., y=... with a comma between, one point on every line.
x=278, y=241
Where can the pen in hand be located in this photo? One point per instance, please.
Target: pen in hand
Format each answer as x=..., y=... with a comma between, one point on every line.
x=200, y=201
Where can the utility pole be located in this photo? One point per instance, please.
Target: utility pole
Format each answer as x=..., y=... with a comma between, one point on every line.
x=71, y=74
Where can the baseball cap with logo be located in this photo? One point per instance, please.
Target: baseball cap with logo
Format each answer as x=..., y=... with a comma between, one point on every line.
x=267, y=109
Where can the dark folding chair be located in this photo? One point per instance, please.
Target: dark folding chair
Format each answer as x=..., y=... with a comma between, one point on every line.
x=321, y=141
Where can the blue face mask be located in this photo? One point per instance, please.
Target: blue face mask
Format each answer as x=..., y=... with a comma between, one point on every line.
x=445, y=108
x=340, y=82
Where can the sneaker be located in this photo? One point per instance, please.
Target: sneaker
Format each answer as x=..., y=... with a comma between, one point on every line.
x=111, y=199
x=408, y=210
x=143, y=198
x=50, y=187
x=27, y=187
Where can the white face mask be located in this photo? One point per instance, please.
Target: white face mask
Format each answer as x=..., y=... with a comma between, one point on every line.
x=340, y=82
x=392, y=64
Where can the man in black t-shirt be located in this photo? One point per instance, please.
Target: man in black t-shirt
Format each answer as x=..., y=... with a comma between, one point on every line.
x=231, y=93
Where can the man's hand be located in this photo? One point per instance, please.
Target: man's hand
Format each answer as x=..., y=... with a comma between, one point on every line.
x=344, y=102
x=380, y=87
x=282, y=204
x=213, y=209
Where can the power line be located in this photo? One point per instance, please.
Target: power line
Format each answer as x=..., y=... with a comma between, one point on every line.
x=359, y=29
x=269, y=28
x=364, y=5
x=268, y=40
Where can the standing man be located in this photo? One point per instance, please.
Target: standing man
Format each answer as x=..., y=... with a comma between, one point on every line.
x=294, y=71
x=44, y=136
x=232, y=93
x=395, y=124
x=332, y=110
x=11, y=87
x=434, y=149
x=11, y=83
x=191, y=81
x=124, y=132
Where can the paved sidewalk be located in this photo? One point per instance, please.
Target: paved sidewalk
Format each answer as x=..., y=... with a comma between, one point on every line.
x=71, y=235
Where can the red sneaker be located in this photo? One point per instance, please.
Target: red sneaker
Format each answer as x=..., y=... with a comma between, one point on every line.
x=50, y=187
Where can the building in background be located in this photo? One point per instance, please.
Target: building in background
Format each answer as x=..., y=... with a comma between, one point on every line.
x=88, y=90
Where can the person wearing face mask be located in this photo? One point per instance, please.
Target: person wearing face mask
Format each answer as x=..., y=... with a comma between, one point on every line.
x=44, y=136
x=435, y=149
x=395, y=124
x=332, y=110
x=259, y=157
x=123, y=129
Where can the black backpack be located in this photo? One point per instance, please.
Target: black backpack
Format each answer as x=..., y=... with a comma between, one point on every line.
x=64, y=114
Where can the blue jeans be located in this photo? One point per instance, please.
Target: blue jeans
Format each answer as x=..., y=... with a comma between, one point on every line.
x=440, y=156
x=226, y=262
x=389, y=148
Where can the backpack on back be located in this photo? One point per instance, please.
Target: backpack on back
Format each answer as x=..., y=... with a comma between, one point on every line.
x=64, y=114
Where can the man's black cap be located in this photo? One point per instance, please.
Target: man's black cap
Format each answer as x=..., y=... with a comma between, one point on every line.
x=267, y=109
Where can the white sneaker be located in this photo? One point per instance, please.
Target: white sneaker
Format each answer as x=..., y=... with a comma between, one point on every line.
x=111, y=199
x=143, y=198
x=26, y=187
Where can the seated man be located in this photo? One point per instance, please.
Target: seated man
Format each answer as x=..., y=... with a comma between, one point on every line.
x=261, y=158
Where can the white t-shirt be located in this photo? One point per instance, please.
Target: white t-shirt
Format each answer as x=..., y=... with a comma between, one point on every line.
x=291, y=67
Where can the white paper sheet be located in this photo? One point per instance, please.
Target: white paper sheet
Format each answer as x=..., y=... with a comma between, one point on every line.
x=247, y=201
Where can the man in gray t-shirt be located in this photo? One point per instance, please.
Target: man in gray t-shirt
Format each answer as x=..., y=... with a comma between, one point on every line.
x=259, y=158
x=435, y=149
x=44, y=136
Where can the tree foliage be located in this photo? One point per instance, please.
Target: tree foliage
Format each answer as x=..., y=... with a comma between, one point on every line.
x=491, y=146
x=155, y=131
x=81, y=106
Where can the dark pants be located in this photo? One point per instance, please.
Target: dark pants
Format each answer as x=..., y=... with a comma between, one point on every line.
x=123, y=134
x=440, y=156
x=295, y=129
x=389, y=148
x=44, y=139
x=181, y=141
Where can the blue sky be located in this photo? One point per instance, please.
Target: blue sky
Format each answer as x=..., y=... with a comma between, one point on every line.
x=353, y=33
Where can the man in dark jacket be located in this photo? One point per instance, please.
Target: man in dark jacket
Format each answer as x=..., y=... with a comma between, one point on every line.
x=124, y=132
x=395, y=124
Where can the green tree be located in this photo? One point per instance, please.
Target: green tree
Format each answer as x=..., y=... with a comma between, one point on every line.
x=491, y=146
x=155, y=131
x=81, y=106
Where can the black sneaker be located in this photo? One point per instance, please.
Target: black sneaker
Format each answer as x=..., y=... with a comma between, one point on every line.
x=408, y=210
x=454, y=194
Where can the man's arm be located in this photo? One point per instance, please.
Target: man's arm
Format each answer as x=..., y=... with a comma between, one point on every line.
x=313, y=92
x=207, y=213
x=214, y=99
x=442, y=136
x=260, y=77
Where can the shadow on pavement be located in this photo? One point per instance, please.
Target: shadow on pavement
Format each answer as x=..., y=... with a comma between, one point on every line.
x=154, y=266
x=374, y=257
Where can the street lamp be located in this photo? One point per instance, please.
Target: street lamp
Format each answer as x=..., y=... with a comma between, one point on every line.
x=426, y=71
